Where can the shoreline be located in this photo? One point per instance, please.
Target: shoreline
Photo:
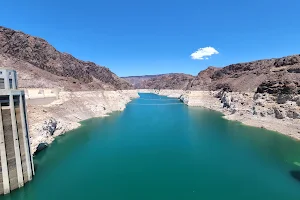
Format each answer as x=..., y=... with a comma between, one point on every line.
x=47, y=121
x=252, y=122
x=241, y=109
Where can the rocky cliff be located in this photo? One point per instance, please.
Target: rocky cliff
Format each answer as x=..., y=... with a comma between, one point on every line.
x=40, y=65
x=247, y=77
x=163, y=81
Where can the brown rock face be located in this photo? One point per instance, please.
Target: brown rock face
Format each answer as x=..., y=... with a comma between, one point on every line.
x=203, y=80
x=40, y=65
x=137, y=81
x=164, y=81
x=279, y=87
x=270, y=75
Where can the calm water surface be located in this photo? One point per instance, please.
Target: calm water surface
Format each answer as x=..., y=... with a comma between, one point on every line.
x=167, y=152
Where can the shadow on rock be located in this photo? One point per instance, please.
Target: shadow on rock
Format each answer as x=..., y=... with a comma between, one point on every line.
x=41, y=147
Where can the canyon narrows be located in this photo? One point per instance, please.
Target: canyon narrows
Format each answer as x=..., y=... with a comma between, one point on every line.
x=156, y=136
x=159, y=148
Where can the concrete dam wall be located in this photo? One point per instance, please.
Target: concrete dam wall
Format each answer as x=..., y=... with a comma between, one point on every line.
x=16, y=160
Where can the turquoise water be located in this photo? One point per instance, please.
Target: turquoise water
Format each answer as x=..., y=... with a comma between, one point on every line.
x=165, y=151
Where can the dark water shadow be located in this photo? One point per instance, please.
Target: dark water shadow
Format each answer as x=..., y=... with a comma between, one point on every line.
x=295, y=174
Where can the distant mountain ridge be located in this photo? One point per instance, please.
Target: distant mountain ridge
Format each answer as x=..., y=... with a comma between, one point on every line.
x=160, y=81
x=136, y=80
x=261, y=75
x=40, y=65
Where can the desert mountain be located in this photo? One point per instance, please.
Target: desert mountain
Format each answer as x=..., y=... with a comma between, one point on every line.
x=162, y=81
x=277, y=75
x=40, y=65
x=247, y=77
x=137, y=80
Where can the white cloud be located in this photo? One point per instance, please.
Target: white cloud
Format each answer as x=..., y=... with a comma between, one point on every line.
x=204, y=53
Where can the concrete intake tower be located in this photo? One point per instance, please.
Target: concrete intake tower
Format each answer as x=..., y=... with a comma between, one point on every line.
x=16, y=167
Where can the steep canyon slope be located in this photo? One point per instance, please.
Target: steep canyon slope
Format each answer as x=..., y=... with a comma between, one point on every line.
x=247, y=77
x=40, y=65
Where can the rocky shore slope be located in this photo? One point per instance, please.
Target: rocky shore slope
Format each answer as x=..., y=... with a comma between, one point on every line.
x=85, y=89
x=47, y=121
x=261, y=110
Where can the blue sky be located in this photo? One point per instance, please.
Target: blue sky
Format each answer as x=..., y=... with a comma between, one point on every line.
x=136, y=37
